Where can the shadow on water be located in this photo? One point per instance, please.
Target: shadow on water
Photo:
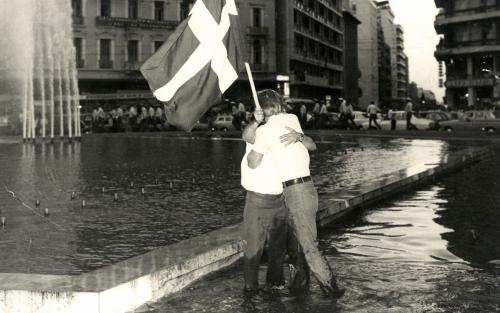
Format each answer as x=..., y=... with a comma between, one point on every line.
x=425, y=251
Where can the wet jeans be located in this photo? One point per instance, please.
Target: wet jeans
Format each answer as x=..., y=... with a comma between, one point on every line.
x=265, y=223
x=302, y=203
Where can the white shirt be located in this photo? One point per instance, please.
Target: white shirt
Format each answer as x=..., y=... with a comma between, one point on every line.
x=291, y=161
x=264, y=179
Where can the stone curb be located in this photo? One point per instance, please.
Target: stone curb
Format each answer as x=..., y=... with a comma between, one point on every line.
x=124, y=286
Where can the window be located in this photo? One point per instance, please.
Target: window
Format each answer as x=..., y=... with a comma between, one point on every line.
x=158, y=45
x=78, y=50
x=133, y=9
x=78, y=42
x=257, y=52
x=257, y=17
x=77, y=8
x=106, y=8
x=133, y=50
x=105, y=53
x=159, y=11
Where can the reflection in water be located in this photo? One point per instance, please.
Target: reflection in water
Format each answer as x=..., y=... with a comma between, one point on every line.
x=417, y=253
x=198, y=190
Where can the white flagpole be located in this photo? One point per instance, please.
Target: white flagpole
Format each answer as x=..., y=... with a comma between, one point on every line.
x=252, y=85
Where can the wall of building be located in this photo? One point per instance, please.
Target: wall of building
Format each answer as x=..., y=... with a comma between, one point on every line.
x=351, y=62
x=120, y=72
x=366, y=11
x=470, y=44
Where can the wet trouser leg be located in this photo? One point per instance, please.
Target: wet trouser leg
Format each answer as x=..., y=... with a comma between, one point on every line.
x=302, y=202
x=299, y=271
x=264, y=221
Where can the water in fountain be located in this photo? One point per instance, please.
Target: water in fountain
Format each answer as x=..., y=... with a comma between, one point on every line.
x=38, y=77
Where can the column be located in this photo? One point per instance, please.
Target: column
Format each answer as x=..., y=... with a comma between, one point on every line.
x=496, y=86
x=470, y=90
x=471, y=100
x=450, y=98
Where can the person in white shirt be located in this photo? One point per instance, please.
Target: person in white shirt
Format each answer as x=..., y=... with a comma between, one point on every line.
x=291, y=160
x=372, y=111
x=409, y=114
x=392, y=116
x=264, y=217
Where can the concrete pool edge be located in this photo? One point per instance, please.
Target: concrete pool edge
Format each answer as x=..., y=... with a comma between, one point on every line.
x=124, y=286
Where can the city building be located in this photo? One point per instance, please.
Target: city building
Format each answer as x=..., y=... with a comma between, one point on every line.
x=368, y=51
x=384, y=65
x=393, y=37
x=301, y=41
x=470, y=49
x=112, y=39
x=309, y=47
x=258, y=36
x=351, y=61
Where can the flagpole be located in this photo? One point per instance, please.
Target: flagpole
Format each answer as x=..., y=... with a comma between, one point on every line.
x=252, y=85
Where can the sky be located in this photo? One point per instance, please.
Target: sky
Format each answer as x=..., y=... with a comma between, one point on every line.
x=417, y=18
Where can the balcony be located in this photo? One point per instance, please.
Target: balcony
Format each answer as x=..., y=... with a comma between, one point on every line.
x=132, y=65
x=474, y=82
x=337, y=45
x=311, y=58
x=257, y=31
x=77, y=20
x=105, y=64
x=319, y=18
x=483, y=13
x=301, y=78
x=135, y=23
x=80, y=63
x=447, y=48
x=259, y=67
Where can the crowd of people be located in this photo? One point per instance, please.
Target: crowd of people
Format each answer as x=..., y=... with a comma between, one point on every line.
x=131, y=119
x=311, y=115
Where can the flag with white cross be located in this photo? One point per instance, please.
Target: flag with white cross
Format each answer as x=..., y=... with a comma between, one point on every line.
x=198, y=63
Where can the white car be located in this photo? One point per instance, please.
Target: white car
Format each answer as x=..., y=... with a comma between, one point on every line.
x=420, y=123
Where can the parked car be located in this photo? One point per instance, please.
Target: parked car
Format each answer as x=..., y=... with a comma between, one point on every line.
x=455, y=115
x=436, y=116
x=474, y=120
x=222, y=122
x=420, y=123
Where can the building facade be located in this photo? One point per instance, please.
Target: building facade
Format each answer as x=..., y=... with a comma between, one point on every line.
x=303, y=40
x=393, y=37
x=309, y=46
x=113, y=38
x=470, y=49
x=368, y=51
x=351, y=61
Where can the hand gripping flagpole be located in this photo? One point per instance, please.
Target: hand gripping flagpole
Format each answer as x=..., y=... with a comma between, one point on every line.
x=252, y=85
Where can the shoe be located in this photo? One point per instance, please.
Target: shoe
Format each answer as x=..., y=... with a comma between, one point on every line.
x=332, y=290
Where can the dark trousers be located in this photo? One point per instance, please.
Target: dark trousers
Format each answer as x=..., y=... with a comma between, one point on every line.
x=409, y=125
x=373, y=118
x=265, y=224
x=393, y=124
x=349, y=118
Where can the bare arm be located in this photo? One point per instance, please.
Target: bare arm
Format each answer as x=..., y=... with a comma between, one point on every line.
x=254, y=159
x=293, y=136
x=309, y=143
x=248, y=134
